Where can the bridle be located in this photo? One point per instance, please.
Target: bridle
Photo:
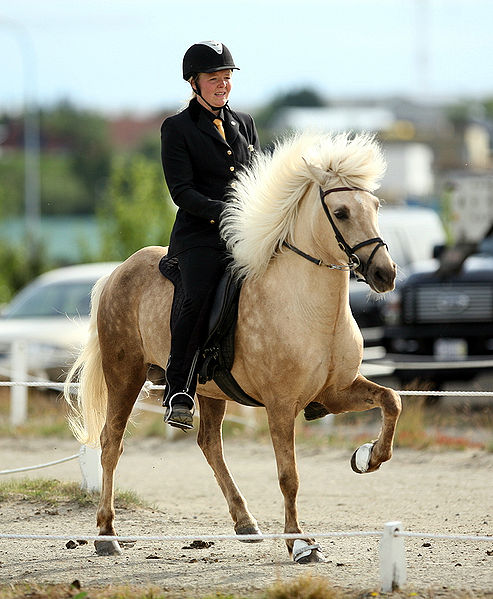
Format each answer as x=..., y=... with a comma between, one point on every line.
x=354, y=263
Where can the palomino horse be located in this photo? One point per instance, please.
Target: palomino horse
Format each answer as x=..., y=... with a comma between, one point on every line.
x=291, y=224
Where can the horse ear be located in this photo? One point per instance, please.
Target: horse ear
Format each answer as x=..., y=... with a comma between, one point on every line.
x=318, y=174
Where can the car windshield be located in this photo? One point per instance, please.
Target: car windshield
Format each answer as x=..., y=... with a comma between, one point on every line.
x=51, y=299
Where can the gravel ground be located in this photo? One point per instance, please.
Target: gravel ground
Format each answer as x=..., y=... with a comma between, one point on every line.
x=429, y=491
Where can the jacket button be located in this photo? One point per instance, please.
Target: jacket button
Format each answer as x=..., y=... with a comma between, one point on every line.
x=231, y=168
x=212, y=221
x=229, y=152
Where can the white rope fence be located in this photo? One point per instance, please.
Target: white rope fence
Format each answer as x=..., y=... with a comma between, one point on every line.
x=19, y=403
x=149, y=386
x=393, y=568
x=253, y=537
x=200, y=537
x=39, y=466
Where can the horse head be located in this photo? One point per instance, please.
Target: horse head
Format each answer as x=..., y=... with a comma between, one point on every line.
x=345, y=220
x=272, y=202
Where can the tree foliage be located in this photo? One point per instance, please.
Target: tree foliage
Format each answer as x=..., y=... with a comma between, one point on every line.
x=18, y=266
x=74, y=162
x=83, y=136
x=137, y=210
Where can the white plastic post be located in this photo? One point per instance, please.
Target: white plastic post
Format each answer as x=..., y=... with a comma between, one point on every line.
x=392, y=558
x=18, y=393
x=90, y=467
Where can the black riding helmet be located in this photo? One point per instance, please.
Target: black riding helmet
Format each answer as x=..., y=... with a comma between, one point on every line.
x=206, y=57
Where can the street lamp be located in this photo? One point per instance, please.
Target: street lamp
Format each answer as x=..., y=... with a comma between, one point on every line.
x=32, y=204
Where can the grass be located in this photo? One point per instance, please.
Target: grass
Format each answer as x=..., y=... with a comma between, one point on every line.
x=304, y=587
x=53, y=492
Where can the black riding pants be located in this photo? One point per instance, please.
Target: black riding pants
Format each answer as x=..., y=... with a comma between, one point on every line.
x=201, y=269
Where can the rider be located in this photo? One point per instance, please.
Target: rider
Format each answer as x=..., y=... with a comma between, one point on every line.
x=202, y=147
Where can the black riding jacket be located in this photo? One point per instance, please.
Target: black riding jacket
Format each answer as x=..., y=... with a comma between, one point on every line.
x=198, y=166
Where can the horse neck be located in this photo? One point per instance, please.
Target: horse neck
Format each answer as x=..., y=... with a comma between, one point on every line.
x=298, y=289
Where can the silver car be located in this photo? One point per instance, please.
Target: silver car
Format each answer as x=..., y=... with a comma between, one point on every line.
x=49, y=318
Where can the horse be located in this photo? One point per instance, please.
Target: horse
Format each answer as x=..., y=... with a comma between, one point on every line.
x=296, y=224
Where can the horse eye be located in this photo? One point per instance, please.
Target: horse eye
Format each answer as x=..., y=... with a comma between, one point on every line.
x=341, y=214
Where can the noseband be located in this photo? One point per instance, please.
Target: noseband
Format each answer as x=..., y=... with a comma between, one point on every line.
x=354, y=263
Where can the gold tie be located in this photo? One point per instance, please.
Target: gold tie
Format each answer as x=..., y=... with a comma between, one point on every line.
x=220, y=128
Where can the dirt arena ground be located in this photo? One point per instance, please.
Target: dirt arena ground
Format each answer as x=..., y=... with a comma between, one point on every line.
x=429, y=491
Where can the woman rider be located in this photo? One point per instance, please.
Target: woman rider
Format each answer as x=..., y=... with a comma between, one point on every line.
x=202, y=148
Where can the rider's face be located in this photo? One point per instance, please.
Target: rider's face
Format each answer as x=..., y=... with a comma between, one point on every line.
x=215, y=88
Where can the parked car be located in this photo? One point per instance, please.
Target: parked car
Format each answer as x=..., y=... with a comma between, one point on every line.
x=51, y=316
x=411, y=233
x=439, y=324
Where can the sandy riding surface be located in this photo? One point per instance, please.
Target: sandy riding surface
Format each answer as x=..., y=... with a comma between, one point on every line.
x=430, y=491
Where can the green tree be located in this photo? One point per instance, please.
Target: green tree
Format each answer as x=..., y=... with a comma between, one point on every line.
x=488, y=107
x=81, y=135
x=137, y=210
x=74, y=163
x=18, y=267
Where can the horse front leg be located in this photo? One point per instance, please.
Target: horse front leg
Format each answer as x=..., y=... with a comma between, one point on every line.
x=281, y=427
x=210, y=441
x=364, y=395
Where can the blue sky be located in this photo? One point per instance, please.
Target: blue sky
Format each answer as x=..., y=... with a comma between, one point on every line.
x=125, y=55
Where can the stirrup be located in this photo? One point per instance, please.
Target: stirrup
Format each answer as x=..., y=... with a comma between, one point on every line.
x=180, y=416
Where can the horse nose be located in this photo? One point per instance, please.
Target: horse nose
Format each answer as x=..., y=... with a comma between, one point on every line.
x=384, y=277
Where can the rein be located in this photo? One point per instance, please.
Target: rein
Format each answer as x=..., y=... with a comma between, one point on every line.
x=354, y=263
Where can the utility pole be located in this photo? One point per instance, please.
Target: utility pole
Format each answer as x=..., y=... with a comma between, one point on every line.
x=32, y=201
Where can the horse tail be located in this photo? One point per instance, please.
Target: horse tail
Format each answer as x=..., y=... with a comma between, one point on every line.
x=87, y=413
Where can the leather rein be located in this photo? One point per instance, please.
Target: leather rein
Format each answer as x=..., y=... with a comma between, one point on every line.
x=354, y=263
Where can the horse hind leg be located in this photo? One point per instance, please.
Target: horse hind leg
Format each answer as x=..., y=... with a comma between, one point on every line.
x=120, y=404
x=210, y=442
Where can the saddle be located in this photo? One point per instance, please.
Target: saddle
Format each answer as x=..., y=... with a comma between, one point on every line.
x=217, y=355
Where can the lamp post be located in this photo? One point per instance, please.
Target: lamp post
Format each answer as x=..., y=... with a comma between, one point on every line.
x=32, y=203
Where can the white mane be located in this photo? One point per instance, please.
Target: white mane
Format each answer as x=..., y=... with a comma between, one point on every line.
x=264, y=202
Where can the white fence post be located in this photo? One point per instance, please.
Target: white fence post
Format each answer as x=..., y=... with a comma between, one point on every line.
x=90, y=467
x=392, y=558
x=18, y=393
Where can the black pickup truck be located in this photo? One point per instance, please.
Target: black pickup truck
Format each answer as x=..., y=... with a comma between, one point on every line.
x=439, y=322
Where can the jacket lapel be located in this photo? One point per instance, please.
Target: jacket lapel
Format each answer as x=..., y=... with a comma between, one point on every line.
x=207, y=126
x=232, y=126
x=231, y=123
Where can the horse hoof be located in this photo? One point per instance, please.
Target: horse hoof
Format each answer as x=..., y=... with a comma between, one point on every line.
x=360, y=460
x=108, y=548
x=249, y=530
x=303, y=553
